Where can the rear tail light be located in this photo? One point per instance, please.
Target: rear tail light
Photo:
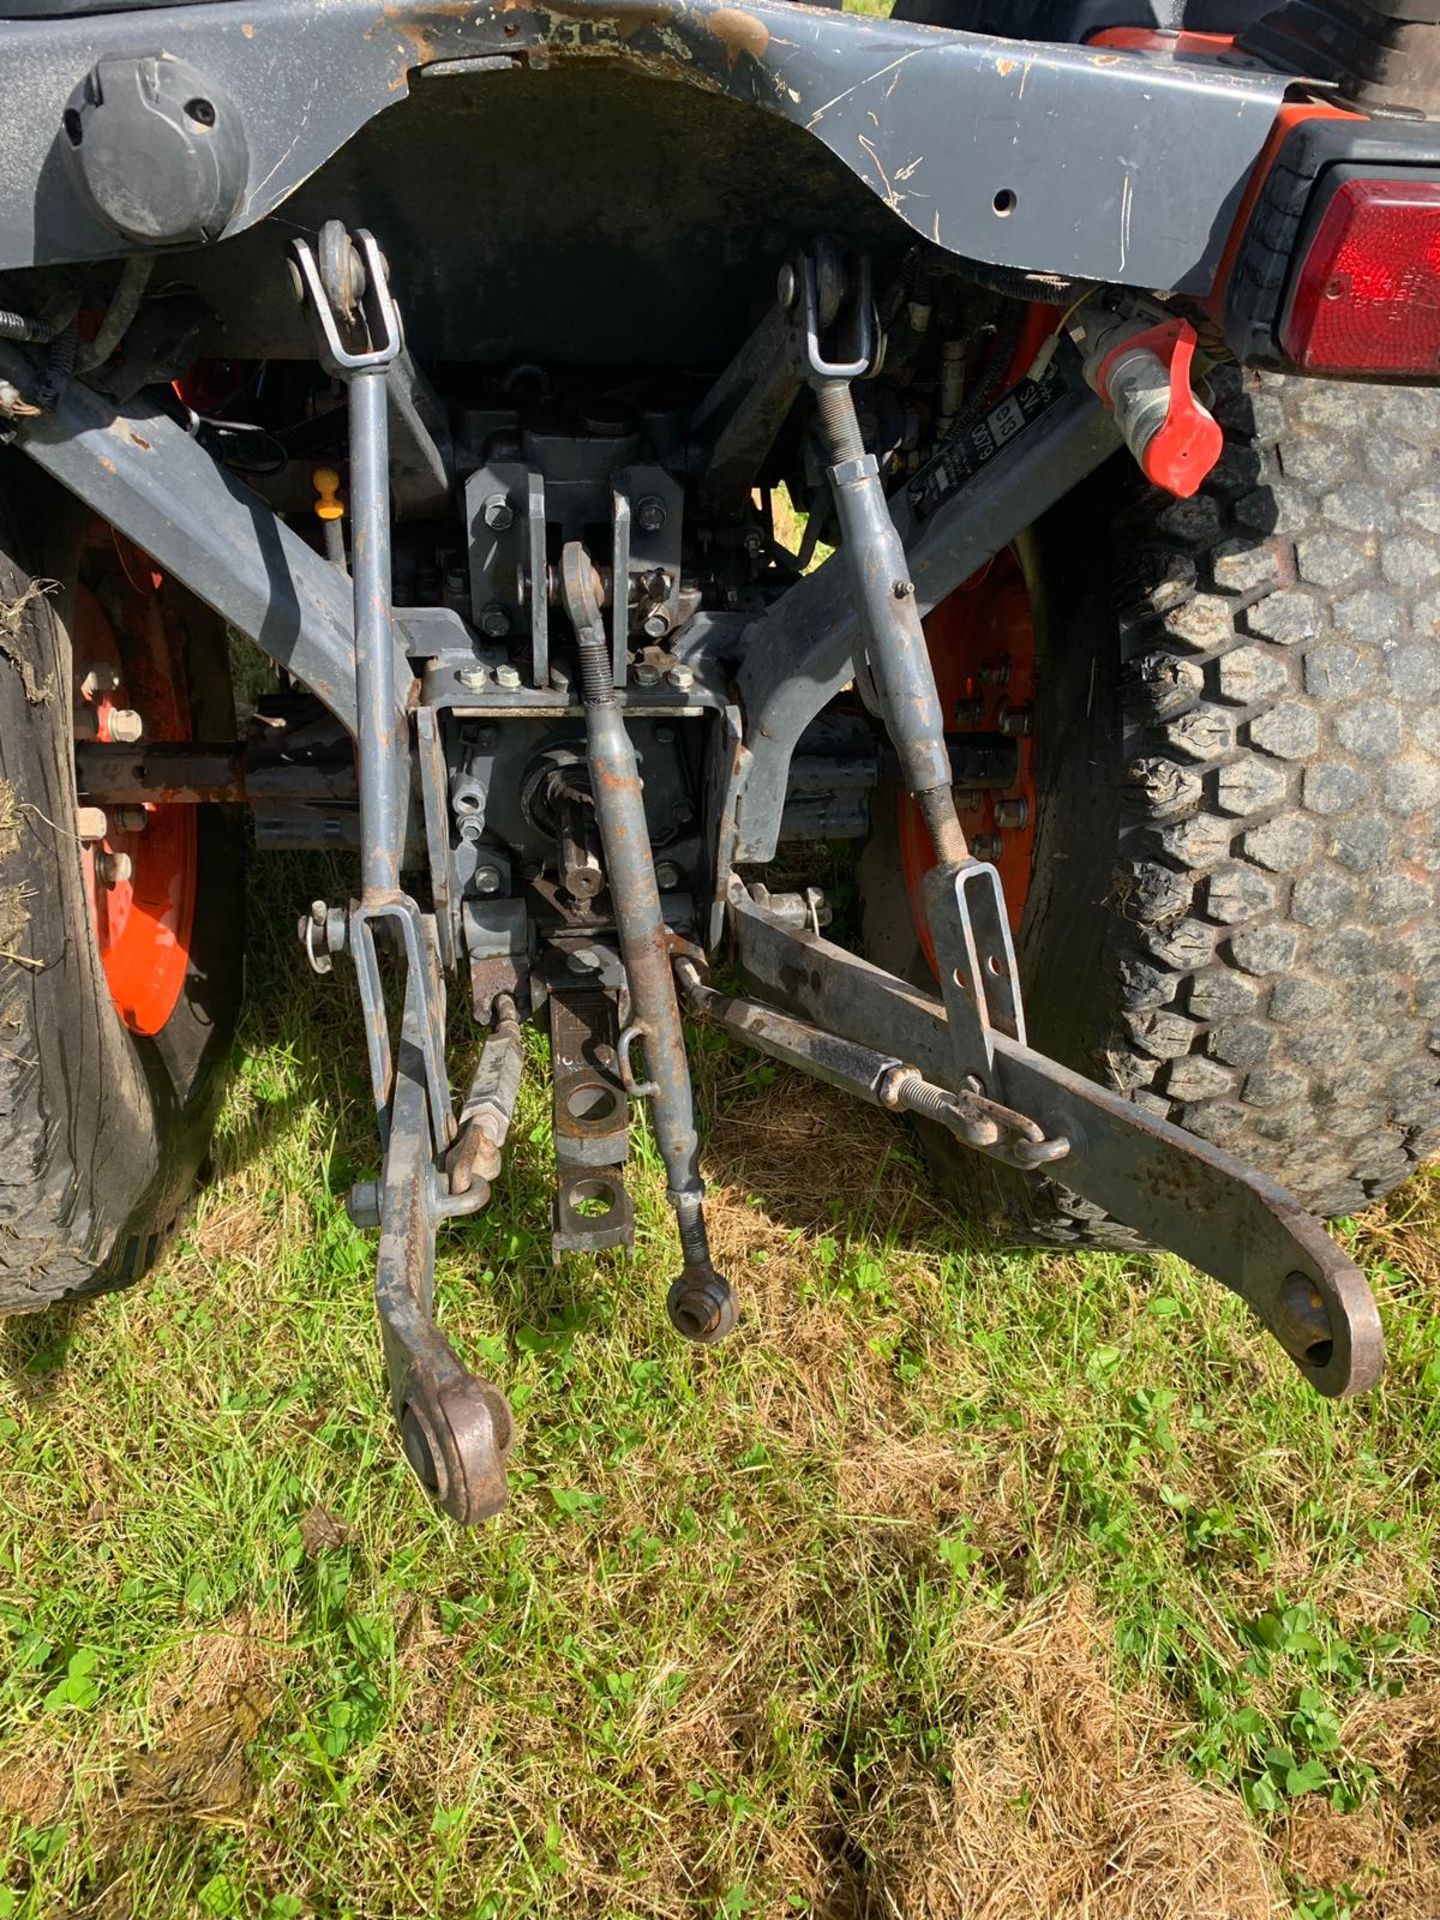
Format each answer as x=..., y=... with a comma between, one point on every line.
x=1367, y=296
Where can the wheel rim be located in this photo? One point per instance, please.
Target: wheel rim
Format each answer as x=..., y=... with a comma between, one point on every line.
x=142, y=918
x=981, y=642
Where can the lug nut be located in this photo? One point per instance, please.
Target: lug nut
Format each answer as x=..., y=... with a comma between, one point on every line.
x=681, y=677
x=667, y=876
x=100, y=677
x=473, y=678
x=113, y=868
x=986, y=846
x=644, y=675
x=125, y=726
x=90, y=823
x=1018, y=720
x=507, y=677
x=1012, y=813
x=495, y=621
x=498, y=513
x=488, y=879
x=650, y=514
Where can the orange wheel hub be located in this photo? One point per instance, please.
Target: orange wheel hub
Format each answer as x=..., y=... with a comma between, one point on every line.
x=982, y=648
x=128, y=658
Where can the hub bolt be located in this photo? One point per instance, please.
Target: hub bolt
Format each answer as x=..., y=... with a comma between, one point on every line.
x=986, y=846
x=473, y=678
x=507, y=677
x=126, y=726
x=100, y=677
x=667, y=876
x=488, y=879
x=495, y=621
x=113, y=868
x=650, y=514
x=1017, y=720
x=498, y=512
x=681, y=677
x=1012, y=813
x=644, y=675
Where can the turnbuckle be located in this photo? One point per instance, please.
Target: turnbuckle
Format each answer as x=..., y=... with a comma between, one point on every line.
x=456, y=1429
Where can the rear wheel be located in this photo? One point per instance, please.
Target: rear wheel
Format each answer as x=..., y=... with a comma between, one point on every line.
x=1231, y=910
x=121, y=940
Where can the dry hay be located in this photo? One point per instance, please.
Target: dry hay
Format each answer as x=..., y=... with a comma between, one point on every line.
x=1063, y=1801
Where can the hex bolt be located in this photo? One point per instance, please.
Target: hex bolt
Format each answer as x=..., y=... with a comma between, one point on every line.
x=996, y=673
x=667, y=876
x=1012, y=813
x=681, y=677
x=113, y=868
x=786, y=286
x=100, y=677
x=968, y=713
x=644, y=675
x=986, y=846
x=656, y=624
x=495, y=621
x=90, y=823
x=507, y=677
x=473, y=678
x=1019, y=720
x=131, y=819
x=968, y=799
x=498, y=513
x=902, y=589
x=488, y=879
x=583, y=960
x=126, y=726
x=650, y=514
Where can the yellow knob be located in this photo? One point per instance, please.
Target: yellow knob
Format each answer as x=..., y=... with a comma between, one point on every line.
x=328, y=504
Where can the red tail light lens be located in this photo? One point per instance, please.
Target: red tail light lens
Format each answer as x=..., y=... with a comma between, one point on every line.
x=1367, y=299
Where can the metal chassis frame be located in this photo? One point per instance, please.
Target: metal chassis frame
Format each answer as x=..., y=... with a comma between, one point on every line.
x=970, y=140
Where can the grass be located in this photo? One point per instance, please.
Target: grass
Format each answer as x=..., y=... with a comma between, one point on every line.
x=959, y=1583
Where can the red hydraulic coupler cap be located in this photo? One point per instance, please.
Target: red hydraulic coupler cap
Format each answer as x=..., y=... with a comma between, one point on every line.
x=1144, y=378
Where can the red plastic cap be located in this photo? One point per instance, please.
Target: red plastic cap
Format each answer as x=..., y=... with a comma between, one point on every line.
x=1368, y=296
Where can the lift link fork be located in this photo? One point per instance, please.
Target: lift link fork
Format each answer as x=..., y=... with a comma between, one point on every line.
x=455, y=1428
x=971, y=1061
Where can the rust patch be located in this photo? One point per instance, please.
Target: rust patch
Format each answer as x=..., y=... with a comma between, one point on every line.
x=136, y=440
x=738, y=32
x=1006, y=66
x=248, y=31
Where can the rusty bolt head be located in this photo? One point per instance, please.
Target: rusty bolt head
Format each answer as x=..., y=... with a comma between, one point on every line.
x=91, y=823
x=1018, y=720
x=1012, y=813
x=113, y=868
x=650, y=514
x=498, y=513
x=100, y=677
x=507, y=677
x=131, y=819
x=488, y=879
x=986, y=846
x=126, y=726
x=681, y=677
x=495, y=621
x=667, y=875
x=644, y=675
x=968, y=799
x=473, y=678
